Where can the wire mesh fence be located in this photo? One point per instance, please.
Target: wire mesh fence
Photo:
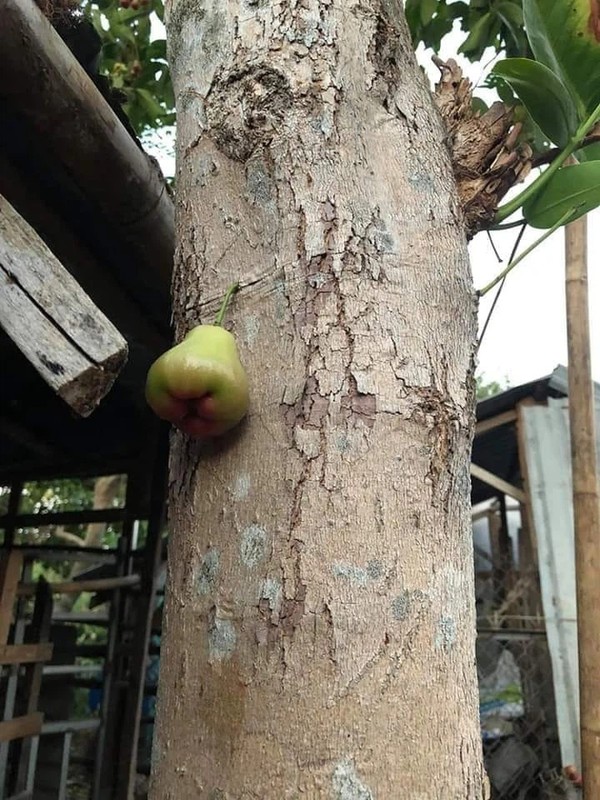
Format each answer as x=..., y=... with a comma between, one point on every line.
x=516, y=691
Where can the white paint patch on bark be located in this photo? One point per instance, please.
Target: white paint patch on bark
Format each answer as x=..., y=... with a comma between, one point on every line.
x=409, y=604
x=241, y=487
x=222, y=639
x=347, y=785
x=251, y=329
x=253, y=545
x=207, y=574
x=272, y=591
x=359, y=576
x=445, y=636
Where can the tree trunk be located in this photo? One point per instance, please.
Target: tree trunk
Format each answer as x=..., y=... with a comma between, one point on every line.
x=319, y=632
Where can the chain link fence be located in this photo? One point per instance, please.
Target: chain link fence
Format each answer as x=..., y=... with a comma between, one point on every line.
x=516, y=693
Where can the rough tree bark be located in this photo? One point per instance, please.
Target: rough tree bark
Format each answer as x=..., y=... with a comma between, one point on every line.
x=319, y=633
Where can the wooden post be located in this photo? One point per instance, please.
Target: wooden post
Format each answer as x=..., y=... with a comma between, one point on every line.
x=586, y=508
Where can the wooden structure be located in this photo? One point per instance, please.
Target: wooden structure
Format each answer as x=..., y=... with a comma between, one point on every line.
x=20, y=732
x=522, y=507
x=86, y=249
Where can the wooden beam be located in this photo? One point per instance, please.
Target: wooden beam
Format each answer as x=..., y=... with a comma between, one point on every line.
x=25, y=653
x=21, y=727
x=69, y=341
x=498, y=483
x=95, y=275
x=495, y=422
x=50, y=89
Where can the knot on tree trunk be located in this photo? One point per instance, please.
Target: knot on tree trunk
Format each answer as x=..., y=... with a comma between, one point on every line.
x=246, y=108
x=487, y=157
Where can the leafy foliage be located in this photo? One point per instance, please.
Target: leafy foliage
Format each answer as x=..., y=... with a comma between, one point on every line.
x=486, y=23
x=574, y=188
x=560, y=92
x=134, y=59
x=486, y=388
x=543, y=95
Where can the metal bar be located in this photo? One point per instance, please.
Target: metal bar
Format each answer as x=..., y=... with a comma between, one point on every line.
x=127, y=752
x=70, y=726
x=72, y=669
x=104, y=773
x=64, y=766
x=31, y=767
x=89, y=617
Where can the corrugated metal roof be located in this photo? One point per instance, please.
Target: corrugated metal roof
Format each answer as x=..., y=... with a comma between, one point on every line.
x=548, y=458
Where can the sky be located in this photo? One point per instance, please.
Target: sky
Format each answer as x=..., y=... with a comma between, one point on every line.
x=526, y=337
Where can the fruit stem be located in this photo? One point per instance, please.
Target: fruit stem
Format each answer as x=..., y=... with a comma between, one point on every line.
x=228, y=295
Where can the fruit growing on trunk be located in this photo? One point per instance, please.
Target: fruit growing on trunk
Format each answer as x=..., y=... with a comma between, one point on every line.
x=200, y=385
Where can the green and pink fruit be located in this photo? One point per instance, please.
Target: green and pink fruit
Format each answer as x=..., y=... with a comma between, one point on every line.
x=200, y=385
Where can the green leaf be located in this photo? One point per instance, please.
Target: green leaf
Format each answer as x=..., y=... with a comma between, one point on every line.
x=575, y=187
x=479, y=106
x=543, y=95
x=151, y=107
x=427, y=10
x=512, y=16
x=589, y=153
x=479, y=37
x=157, y=49
x=565, y=36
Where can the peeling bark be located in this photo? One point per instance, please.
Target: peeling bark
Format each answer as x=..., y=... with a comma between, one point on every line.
x=487, y=157
x=319, y=626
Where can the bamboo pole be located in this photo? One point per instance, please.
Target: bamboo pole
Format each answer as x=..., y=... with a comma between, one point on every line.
x=586, y=508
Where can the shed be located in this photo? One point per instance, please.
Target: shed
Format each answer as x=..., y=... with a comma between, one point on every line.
x=86, y=249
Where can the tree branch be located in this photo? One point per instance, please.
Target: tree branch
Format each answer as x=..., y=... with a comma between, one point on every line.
x=67, y=536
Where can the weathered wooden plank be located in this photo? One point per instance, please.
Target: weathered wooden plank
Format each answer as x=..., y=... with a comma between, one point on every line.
x=11, y=565
x=21, y=727
x=25, y=653
x=488, y=477
x=490, y=424
x=74, y=347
